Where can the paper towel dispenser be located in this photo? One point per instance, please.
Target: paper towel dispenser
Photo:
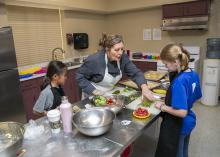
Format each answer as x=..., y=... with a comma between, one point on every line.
x=80, y=40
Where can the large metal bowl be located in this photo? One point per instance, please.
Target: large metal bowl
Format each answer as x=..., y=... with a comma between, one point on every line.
x=93, y=121
x=11, y=137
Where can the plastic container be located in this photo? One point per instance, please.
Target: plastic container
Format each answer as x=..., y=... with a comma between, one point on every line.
x=54, y=120
x=213, y=48
x=213, y=54
x=213, y=44
x=66, y=115
x=211, y=82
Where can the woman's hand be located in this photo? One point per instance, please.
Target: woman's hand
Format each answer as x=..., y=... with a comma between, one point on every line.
x=97, y=92
x=146, y=93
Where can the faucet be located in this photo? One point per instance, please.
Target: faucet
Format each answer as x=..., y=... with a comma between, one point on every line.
x=54, y=56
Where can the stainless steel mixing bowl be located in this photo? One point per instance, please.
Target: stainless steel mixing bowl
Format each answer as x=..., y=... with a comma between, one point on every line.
x=93, y=121
x=11, y=137
x=118, y=103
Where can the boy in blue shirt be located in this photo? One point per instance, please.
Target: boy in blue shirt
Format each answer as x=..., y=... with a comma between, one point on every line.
x=178, y=118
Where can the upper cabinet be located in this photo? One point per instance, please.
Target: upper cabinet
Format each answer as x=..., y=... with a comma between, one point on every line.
x=196, y=8
x=188, y=9
x=173, y=10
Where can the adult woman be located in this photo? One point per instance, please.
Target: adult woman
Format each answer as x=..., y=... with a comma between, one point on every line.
x=101, y=71
x=178, y=118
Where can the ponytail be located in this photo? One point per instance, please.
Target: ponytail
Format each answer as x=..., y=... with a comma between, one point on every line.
x=102, y=41
x=184, y=58
x=171, y=52
x=45, y=83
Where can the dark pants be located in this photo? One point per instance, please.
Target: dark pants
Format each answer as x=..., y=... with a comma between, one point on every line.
x=183, y=146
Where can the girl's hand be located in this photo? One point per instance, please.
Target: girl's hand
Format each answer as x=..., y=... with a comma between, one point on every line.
x=176, y=112
x=146, y=93
x=158, y=105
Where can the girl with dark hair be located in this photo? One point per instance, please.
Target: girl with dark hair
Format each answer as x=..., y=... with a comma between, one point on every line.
x=178, y=117
x=51, y=91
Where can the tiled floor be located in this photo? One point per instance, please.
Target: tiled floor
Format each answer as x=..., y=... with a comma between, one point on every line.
x=205, y=138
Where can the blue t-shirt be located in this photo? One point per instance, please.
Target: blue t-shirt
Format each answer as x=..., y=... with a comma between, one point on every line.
x=185, y=91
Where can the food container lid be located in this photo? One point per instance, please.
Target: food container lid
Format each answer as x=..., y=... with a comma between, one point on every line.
x=53, y=113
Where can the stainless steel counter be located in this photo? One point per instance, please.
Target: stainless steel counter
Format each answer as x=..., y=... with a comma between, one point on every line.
x=75, y=144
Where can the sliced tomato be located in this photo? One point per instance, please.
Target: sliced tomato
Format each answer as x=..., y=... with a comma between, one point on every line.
x=110, y=101
x=141, y=112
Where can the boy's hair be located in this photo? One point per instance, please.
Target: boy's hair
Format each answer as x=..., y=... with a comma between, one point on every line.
x=173, y=52
x=54, y=67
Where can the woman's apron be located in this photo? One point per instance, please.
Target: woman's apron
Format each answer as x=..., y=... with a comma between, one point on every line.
x=170, y=129
x=108, y=82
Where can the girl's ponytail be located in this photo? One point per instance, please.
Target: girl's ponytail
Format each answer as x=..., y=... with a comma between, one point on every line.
x=184, y=58
x=45, y=83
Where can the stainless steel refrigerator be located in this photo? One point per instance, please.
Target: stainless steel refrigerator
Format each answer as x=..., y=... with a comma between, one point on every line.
x=11, y=106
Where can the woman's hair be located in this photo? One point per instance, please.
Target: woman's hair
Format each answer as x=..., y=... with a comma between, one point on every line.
x=108, y=41
x=54, y=67
x=173, y=52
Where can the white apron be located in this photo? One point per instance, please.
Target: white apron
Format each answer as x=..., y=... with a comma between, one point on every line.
x=108, y=82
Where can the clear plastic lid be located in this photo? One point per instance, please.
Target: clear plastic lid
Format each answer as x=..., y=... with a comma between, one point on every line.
x=65, y=103
x=64, y=99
